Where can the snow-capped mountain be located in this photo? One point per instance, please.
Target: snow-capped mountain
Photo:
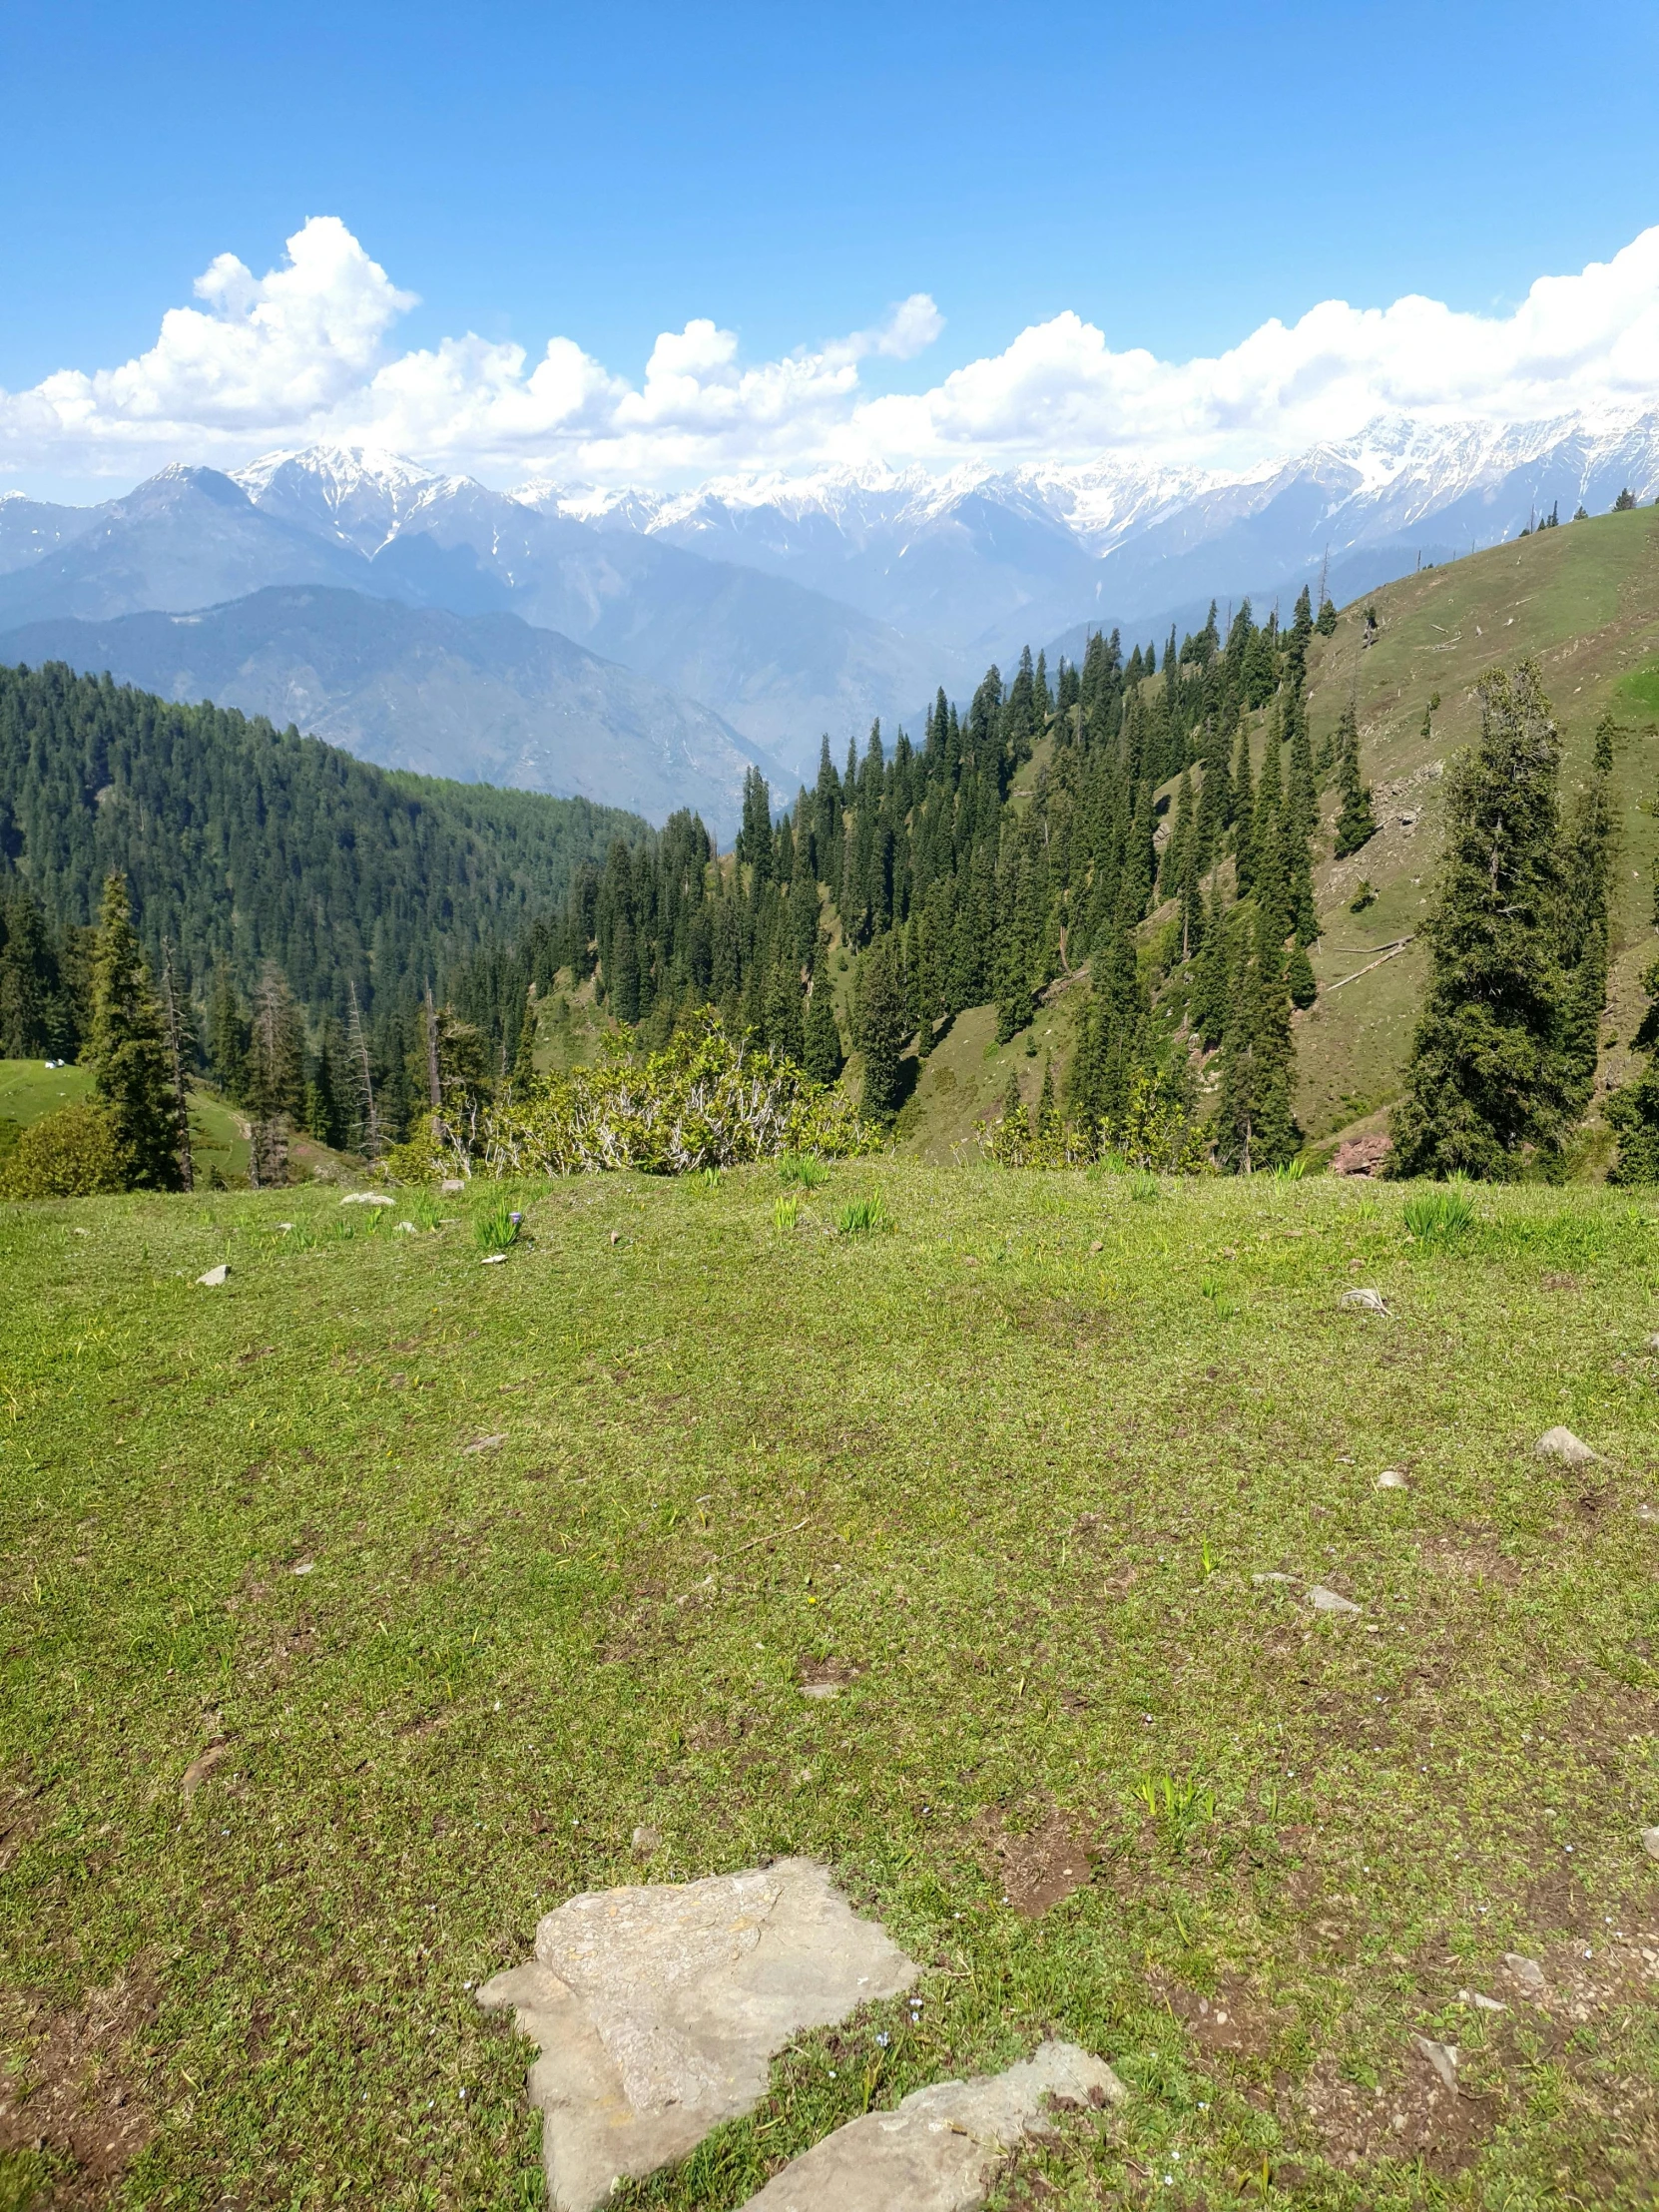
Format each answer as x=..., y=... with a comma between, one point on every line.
x=788, y=606
x=983, y=560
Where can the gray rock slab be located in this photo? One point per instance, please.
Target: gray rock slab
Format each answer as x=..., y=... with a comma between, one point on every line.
x=1443, y=2057
x=1365, y=1302
x=1526, y=1971
x=1650, y=1842
x=1561, y=1444
x=659, y=2008
x=1331, y=1601
x=941, y=2149
x=1391, y=1478
x=215, y=1276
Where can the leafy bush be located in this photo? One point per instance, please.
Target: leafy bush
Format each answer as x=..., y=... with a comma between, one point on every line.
x=705, y=1101
x=75, y=1152
x=1155, y=1133
x=1440, y=1215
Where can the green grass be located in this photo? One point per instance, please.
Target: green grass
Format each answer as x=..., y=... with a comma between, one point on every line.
x=29, y=1089
x=1016, y=1463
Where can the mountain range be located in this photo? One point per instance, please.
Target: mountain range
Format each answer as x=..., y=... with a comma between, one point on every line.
x=645, y=648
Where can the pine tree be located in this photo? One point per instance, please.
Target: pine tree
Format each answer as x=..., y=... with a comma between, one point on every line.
x=1048, y=1112
x=274, y=1090
x=784, y=1032
x=128, y=1051
x=1589, y=847
x=180, y=1049
x=883, y=1027
x=1015, y=1120
x=524, y=1059
x=227, y=1034
x=1244, y=815
x=821, y=1054
x=1255, y=1124
x=1487, y=1086
x=365, y=1128
x=1210, y=994
x=1355, y=823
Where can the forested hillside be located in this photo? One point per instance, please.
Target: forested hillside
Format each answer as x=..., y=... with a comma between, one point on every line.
x=244, y=844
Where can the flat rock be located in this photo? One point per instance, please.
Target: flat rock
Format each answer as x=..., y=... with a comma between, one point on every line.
x=659, y=2008
x=1275, y=1578
x=1561, y=1444
x=215, y=1276
x=1443, y=2057
x=939, y=2151
x=366, y=1198
x=1391, y=1479
x=1331, y=1601
x=1650, y=1842
x=1526, y=1972
x=1364, y=1302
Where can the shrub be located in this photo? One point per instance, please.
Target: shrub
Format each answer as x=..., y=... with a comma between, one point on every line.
x=705, y=1101
x=1155, y=1133
x=74, y=1153
x=1440, y=1215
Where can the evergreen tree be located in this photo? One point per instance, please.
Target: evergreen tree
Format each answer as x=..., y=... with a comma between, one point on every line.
x=1255, y=1124
x=128, y=1051
x=784, y=1026
x=821, y=1054
x=273, y=1085
x=883, y=1027
x=1244, y=814
x=1487, y=1086
x=1048, y=1112
x=227, y=1034
x=1210, y=995
x=1014, y=1117
x=1590, y=846
x=1355, y=823
x=180, y=1052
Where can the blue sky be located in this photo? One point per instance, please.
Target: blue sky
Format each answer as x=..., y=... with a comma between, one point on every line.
x=1172, y=177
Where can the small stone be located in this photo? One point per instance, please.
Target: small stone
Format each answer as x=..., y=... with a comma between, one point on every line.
x=1647, y=1513
x=941, y=2149
x=1561, y=1444
x=450, y=1185
x=303, y=1566
x=366, y=1198
x=1524, y=1970
x=1328, y=1601
x=647, y=1841
x=493, y=1259
x=1480, y=2004
x=215, y=1276
x=820, y=1689
x=1443, y=2057
x=201, y=1767
x=1364, y=1301
x=615, y=1235
x=485, y=1444
x=1275, y=1578
x=1650, y=1842
x=1097, y=1246
x=1391, y=1479
x=405, y=1228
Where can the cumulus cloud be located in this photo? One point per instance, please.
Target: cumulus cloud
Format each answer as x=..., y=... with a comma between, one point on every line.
x=306, y=352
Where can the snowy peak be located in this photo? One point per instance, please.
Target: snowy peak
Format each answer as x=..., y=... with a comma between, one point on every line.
x=359, y=495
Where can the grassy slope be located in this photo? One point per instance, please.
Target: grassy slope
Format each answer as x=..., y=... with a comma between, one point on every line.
x=1585, y=600
x=1015, y=1466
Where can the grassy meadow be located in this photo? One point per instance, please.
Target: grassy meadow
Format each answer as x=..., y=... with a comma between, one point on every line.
x=358, y=1612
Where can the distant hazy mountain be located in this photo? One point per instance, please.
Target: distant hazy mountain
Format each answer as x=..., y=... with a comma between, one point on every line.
x=777, y=657
x=483, y=697
x=788, y=609
x=983, y=561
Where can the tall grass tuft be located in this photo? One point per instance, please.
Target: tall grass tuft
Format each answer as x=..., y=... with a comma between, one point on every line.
x=1439, y=1215
x=786, y=1212
x=803, y=1171
x=495, y=1228
x=862, y=1216
x=1145, y=1186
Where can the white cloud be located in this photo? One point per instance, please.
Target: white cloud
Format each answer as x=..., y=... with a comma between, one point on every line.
x=304, y=352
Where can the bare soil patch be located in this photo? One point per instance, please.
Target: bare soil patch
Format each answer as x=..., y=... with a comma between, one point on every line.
x=1412, y=2116
x=1039, y=1869
x=74, y=2095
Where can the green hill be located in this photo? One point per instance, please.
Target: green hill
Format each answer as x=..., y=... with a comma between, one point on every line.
x=1582, y=600
x=248, y=843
